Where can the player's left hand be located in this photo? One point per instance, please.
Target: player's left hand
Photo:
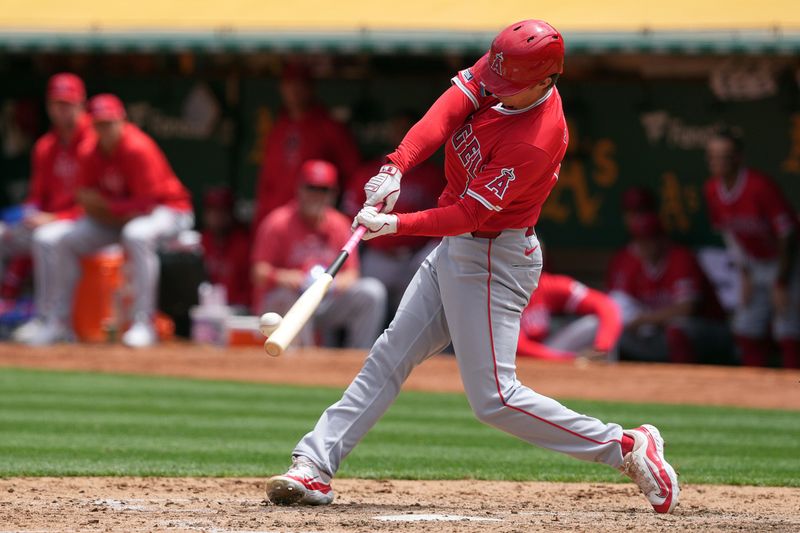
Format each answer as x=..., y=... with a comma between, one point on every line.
x=376, y=223
x=384, y=188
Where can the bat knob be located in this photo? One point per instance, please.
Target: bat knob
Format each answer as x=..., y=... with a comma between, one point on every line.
x=272, y=349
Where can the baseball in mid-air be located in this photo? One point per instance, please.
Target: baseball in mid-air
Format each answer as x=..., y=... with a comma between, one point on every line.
x=268, y=323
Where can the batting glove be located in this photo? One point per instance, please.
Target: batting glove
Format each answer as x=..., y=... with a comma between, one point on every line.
x=376, y=223
x=384, y=187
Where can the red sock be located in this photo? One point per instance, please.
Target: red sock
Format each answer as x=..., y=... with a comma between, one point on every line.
x=755, y=352
x=680, y=347
x=790, y=350
x=626, y=444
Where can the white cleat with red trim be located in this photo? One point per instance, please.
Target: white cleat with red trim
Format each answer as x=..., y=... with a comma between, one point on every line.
x=646, y=466
x=302, y=484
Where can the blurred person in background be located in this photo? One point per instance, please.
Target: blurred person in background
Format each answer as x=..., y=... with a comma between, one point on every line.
x=303, y=236
x=593, y=335
x=669, y=308
x=394, y=261
x=131, y=196
x=226, y=247
x=760, y=230
x=304, y=130
x=50, y=209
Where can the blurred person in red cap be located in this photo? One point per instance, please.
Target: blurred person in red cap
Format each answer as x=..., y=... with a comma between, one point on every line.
x=593, y=334
x=669, y=308
x=304, y=130
x=300, y=239
x=226, y=246
x=394, y=261
x=50, y=209
x=130, y=195
x=760, y=230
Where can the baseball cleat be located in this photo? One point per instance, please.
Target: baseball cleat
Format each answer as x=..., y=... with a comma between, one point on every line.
x=302, y=484
x=140, y=335
x=51, y=332
x=648, y=468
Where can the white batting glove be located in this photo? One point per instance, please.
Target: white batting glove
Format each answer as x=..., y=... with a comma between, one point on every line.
x=377, y=224
x=384, y=187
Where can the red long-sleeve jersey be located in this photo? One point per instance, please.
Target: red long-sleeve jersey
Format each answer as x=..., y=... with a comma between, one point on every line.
x=500, y=164
x=55, y=169
x=136, y=177
x=559, y=294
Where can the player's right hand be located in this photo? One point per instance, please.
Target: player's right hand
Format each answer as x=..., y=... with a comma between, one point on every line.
x=384, y=187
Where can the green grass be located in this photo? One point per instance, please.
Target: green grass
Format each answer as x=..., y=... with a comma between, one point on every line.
x=65, y=424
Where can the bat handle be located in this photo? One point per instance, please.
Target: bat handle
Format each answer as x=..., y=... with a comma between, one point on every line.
x=357, y=235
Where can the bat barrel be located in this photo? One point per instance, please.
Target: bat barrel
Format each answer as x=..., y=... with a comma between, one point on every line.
x=297, y=317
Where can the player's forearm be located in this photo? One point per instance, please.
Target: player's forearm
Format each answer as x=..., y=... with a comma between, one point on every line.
x=608, y=315
x=427, y=135
x=438, y=222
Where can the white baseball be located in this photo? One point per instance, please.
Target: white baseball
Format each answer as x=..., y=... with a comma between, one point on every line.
x=268, y=323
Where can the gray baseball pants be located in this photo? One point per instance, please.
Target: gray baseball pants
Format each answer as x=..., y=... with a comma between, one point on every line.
x=139, y=237
x=41, y=243
x=470, y=291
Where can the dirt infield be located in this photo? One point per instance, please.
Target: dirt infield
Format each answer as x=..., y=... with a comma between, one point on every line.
x=221, y=505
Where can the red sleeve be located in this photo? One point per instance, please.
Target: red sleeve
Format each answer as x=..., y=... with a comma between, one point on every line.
x=498, y=184
x=268, y=244
x=773, y=202
x=145, y=167
x=596, y=303
x=445, y=115
x=530, y=348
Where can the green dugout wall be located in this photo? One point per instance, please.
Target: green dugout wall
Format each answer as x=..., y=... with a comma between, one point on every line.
x=625, y=130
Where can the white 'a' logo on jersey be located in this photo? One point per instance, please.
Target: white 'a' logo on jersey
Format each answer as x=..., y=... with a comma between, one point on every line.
x=497, y=63
x=500, y=184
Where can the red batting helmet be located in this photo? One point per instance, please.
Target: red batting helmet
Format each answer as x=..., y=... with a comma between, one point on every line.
x=521, y=55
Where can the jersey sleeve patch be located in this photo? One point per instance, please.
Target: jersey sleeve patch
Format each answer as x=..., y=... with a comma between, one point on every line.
x=460, y=84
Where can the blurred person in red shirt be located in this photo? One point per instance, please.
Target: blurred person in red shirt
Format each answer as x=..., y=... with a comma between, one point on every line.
x=669, y=308
x=394, y=261
x=226, y=247
x=303, y=237
x=130, y=196
x=760, y=230
x=593, y=335
x=304, y=130
x=50, y=209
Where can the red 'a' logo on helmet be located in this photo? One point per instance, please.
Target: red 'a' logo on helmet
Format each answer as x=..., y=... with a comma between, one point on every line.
x=497, y=63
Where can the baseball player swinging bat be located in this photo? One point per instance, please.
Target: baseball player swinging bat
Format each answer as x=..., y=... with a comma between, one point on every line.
x=305, y=306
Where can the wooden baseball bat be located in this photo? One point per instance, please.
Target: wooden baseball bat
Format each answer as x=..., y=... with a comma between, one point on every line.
x=305, y=306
